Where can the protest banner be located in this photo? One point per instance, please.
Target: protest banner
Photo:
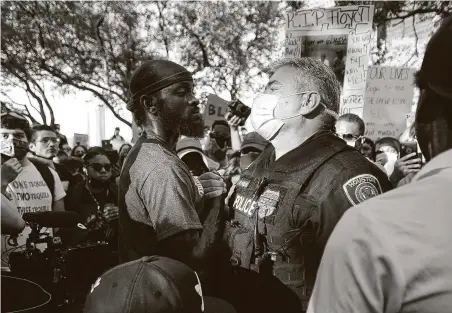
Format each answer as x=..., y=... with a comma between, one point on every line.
x=340, y=37
x=81, y=139
x=215, y=109
x=389, y=97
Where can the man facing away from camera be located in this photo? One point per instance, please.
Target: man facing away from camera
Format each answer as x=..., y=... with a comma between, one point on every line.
x=157, y=193
x=393, y=253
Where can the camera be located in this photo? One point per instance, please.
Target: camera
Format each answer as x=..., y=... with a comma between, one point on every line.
x=239, y=109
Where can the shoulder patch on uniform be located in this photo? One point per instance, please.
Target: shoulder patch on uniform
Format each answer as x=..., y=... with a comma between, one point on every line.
x=362, y=187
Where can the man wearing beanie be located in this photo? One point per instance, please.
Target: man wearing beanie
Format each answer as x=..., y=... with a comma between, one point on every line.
x=393, y=253
x=157, y=193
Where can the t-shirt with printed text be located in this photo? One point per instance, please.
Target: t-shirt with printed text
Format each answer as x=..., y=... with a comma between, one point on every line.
x=30, y=193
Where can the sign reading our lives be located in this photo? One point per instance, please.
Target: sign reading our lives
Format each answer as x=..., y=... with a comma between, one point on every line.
x=389, y=97
x=340, y=37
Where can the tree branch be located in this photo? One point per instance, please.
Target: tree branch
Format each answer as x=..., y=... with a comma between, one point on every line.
x=162, y=28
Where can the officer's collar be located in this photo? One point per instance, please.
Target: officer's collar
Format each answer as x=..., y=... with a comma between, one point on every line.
x=309, y=153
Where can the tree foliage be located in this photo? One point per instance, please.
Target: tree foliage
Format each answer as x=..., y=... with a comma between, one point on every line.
x=78, y=45
x=95, y=46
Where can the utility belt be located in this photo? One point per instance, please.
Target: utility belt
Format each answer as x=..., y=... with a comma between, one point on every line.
x=242, y=245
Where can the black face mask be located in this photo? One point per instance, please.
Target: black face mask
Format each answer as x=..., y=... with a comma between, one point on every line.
x=98, y=183
x=14, y=149
x=247, y=159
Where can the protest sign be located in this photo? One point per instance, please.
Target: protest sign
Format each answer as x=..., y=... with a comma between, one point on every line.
x=215, y=109
x=81, y=139
x=410, y=117
x=389, y=96
x=340, y=37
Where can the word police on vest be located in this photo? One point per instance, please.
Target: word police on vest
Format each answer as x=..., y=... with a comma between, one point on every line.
x=53, y=219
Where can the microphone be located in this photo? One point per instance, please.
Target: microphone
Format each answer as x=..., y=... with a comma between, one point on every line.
x=53, y=219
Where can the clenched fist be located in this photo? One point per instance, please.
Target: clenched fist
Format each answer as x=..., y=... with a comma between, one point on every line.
x=213, y=185
x=10, y=170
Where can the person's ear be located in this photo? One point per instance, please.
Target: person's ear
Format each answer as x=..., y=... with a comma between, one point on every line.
x=309, y=102
x=149, y=103
x=32, y=146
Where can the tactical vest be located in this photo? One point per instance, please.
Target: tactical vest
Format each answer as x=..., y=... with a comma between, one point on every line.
x=265, y=198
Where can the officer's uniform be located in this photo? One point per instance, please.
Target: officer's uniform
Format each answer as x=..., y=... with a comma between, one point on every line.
x=283, y=211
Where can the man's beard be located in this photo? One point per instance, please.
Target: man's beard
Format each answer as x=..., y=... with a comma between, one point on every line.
x=172, y=121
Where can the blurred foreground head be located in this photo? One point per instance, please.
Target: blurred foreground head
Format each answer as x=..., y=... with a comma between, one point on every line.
x=434, y=111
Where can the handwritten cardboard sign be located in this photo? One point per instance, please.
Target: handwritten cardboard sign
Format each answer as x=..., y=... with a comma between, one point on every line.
x=82, y=139
x=340, y=37
x=389, y=97
x=215, y=109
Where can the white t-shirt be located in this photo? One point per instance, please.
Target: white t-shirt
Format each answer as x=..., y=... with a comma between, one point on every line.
x=30, y=193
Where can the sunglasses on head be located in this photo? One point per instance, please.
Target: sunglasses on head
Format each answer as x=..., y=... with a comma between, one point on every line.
x=99, y=166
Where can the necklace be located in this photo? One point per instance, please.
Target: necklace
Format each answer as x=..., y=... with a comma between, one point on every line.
x=95, y=200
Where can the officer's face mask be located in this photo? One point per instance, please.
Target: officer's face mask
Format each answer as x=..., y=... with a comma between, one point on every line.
x=263, y=117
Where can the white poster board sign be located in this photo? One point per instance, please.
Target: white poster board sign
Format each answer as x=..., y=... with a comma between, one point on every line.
x=82, y=139
x=388, y=100
x=340, y=37
x=215, y=110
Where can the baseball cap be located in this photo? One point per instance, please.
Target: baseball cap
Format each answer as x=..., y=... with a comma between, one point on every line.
x=188, y=145
x=254, y=140
x=437, y=64
x=152, y=284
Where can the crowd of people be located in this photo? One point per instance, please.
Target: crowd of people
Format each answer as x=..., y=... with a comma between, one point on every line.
x=304, y=214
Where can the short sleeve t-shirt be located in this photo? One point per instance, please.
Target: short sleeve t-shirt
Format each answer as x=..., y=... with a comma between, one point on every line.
x=30, y=193
x=157, y=197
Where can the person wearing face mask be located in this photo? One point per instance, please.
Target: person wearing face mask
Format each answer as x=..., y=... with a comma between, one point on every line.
x=393, y=252
x=252, y=146
x=397, y=168
x=287, y=202
x=36, y=188
x=95, y=199
x=367, y=148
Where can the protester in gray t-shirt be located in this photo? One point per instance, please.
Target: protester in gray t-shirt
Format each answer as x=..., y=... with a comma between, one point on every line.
x=157, y=194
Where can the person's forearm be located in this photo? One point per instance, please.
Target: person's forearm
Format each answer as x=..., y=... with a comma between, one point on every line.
x=212, y=231
x=192, y=248
x=236, y=142
x=12, y=222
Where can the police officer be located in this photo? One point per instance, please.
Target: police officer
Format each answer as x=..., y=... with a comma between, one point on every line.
x=288, y=201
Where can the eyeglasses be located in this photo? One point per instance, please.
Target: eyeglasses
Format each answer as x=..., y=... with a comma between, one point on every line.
x=47, y=140
x=99, y=166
